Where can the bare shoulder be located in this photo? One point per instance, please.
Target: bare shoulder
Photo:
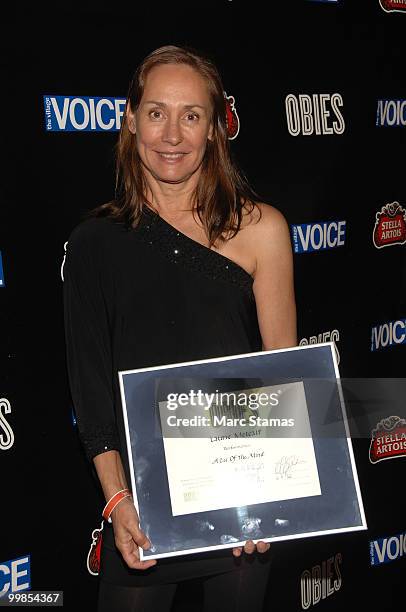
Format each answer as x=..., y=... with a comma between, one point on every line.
x=262, y=239
x=265, y=226
x=266, y=236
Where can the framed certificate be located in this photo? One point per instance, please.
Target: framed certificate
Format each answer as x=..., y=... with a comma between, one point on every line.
x=252, y=446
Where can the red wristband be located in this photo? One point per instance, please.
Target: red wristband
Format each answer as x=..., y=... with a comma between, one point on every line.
x=113, y=501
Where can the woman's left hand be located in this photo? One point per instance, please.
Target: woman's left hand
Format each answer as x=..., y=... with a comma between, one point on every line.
x=250, y=547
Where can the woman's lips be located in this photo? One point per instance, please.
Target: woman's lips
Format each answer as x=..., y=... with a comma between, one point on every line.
x=171, y=158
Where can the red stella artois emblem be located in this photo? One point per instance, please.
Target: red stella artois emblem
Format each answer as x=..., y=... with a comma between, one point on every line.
x=233, y=122
x=390, y=225
x=391, y=6
x=388, y=439
x=94, y=554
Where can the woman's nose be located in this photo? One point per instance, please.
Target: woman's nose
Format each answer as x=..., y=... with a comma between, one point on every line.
x=172, y=133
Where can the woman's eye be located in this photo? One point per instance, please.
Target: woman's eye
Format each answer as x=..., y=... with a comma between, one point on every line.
x=157, y=114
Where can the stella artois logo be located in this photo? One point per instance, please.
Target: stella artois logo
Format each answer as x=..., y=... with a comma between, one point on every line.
x=392, y=6
x=388, y=439
x=94, y=554
x=390, y=225
x=233, y=122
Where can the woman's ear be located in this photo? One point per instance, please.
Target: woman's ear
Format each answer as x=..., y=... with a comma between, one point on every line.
x=210, y=134
x=131, y=122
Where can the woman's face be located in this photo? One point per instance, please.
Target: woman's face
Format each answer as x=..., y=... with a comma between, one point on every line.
x=173, y=122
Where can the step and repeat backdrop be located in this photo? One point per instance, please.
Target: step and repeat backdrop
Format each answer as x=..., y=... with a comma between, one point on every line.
x=318, y=98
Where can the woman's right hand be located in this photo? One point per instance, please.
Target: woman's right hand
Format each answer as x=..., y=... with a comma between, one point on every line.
x=128, y=536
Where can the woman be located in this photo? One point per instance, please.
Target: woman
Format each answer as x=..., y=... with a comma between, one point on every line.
x=183, y=264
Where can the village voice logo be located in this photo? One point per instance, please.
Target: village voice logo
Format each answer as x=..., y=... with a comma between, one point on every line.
x=310, y=237
x=15, y=577
x=387, y=334
x=82, y=113
x=390, y=226
x=2, y=281
x=385, y=550
x=388, y=439
x=391, y=113
x=393, y=6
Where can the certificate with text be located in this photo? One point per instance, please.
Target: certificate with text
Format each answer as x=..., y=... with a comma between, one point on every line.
x=245, y=466
x=253, y=446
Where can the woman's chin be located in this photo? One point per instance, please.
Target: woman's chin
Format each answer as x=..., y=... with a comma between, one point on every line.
x=171, y=176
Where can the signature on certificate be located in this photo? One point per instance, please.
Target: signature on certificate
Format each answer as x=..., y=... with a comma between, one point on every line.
x=284, y=467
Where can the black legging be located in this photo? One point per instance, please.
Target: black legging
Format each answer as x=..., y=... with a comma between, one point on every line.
x=236, y=591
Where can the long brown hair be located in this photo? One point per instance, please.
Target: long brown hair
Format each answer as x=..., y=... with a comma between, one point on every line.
x=222, y=191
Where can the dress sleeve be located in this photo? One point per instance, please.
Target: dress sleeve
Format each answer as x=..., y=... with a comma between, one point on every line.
x=88, y=342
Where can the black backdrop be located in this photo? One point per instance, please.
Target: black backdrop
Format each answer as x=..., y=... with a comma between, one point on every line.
x=265, y=51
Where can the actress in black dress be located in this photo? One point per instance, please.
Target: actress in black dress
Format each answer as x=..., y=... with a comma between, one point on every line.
x=183, y=264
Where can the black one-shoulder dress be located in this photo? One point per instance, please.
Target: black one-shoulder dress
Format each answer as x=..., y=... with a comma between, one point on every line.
x=142, y=297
